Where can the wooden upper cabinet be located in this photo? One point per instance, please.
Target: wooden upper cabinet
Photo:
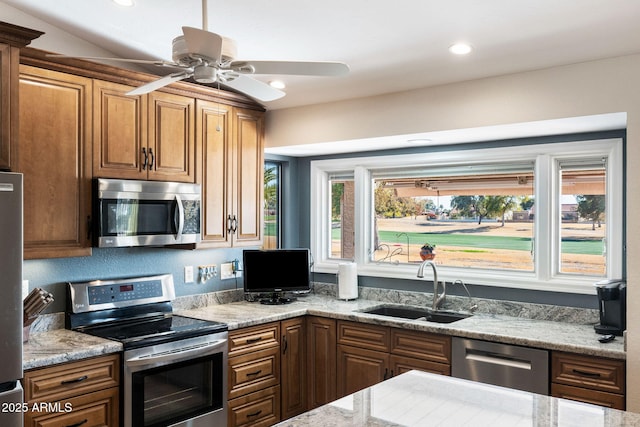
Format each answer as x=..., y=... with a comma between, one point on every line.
x=230, y=169
x=248, y=132
x=55, y=158
x=213, y=151
x=143, y=137
x=171, y=137
x=119, y=132
x=9, y=59
x=12, y=38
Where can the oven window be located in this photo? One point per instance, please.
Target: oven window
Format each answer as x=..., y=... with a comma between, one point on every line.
x=172, y=393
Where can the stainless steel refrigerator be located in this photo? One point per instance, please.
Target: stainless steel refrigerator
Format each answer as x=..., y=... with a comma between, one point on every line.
x=11, y=228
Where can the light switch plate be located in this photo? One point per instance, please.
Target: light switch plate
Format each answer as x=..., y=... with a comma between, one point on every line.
x=25, y=289
x=188, y=274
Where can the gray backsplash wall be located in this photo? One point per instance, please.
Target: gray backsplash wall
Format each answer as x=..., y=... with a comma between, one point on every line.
x=52, y=274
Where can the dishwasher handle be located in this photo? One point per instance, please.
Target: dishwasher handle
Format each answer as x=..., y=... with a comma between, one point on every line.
x=498, y=359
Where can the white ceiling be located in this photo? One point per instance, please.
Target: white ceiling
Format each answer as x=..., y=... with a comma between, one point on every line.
x=390, y=46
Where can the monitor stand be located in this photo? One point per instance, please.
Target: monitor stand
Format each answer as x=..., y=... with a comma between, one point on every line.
x=277, y=298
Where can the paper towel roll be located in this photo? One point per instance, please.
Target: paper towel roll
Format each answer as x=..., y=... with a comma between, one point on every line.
x=347, y=280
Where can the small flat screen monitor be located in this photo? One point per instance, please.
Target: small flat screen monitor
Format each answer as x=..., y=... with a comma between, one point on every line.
x=276, y=272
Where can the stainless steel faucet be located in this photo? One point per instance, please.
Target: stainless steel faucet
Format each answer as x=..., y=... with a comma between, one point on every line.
x=437, y=300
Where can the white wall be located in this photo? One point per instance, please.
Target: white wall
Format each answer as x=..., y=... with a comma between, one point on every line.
x=605, y=86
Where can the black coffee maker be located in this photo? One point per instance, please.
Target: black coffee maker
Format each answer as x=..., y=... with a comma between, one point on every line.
x=612, y=302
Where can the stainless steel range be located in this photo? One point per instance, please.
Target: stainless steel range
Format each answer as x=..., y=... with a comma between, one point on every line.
x=174, y=366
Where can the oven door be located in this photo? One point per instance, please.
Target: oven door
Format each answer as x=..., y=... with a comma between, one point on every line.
x=182, y=383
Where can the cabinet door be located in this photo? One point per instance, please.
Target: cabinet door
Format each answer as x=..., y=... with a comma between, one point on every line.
x=171, y=137
x=321, y=361
x=55, y=158
x=213, y=152
x=360, y=368
x=119, y=132
x=293, y=374
x=9, y=60
x=248, y=131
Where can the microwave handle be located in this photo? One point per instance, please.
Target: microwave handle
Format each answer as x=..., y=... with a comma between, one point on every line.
x=179, y=217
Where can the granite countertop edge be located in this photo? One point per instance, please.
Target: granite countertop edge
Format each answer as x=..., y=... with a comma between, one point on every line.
x=61, y=345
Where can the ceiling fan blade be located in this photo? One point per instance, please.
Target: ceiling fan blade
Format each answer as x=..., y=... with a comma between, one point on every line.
x=157, y=84
x=254, y=88
x=159, y=62
x=203, y=43
x=300, y=68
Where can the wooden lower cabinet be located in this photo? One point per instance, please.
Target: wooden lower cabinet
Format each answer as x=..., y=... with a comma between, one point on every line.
x=321, y=361
x=360, y=368
x=84, y=393
x=293, y=371
x=368, y=354
x=589, y=379
x=258, y=409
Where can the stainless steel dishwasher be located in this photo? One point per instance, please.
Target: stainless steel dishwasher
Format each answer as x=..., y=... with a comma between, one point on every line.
x=506, y=365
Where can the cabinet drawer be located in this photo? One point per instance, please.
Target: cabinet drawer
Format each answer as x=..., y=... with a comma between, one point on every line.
x=364, y=336
x=421, y=345
x=97, y=409
x=257, y=409
x=609, y=400
x=254, y=338
x=254, y=371
x=72, y=379
x=400, y=365
x=590, y=372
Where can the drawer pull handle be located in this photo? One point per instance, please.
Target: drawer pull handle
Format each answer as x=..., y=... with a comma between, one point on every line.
x=254, y=414
x=76, y=380
x=586, y=374
x=78, y=424
x=251, y=374
x=253, y=340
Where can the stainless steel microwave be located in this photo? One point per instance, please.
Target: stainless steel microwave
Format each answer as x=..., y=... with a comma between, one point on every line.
x=145, y=213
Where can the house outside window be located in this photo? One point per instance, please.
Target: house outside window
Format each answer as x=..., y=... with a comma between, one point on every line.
x=546, y=216
x=272, y=205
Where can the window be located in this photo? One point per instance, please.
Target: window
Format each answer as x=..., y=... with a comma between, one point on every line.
x=546, y=216
x=272, y=206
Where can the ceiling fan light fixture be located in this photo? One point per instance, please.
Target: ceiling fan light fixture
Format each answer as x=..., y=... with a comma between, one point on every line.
x=460, y=48
x=205, y=74
x=278, y=84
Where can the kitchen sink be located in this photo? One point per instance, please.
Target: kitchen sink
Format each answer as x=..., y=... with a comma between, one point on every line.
x=416, y=313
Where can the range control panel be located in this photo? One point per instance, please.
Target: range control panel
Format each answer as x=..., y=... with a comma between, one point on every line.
x=118, y=292
x=106, y=294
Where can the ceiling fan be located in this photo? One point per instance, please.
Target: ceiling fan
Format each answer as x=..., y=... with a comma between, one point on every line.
x=211, y=58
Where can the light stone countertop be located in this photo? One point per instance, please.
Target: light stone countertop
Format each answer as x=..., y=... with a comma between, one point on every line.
x=549, y=335
x=62, y=345
x=422, y=399
x=50, y=344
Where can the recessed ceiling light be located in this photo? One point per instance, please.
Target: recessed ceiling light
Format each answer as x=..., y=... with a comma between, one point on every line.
x=460, y=48
x=278, y=84
x=419, y=141
x=126, y=3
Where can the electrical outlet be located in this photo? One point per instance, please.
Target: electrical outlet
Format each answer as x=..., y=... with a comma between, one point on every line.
x=226, y=271
x=188, y=274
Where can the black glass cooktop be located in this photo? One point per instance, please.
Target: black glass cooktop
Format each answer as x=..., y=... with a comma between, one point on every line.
x=155, y=330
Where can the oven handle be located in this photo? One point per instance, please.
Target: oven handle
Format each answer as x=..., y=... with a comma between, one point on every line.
x=169, y=356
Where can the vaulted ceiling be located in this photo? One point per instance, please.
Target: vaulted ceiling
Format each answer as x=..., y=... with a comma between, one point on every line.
x=389, y=46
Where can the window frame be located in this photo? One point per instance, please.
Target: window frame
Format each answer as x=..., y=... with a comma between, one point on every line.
x=279, y=168
x=547, y=158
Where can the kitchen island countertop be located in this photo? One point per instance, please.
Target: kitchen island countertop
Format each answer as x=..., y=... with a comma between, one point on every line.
x=422, y=399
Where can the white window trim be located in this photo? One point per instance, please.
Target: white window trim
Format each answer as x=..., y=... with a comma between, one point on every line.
x=546, y=157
